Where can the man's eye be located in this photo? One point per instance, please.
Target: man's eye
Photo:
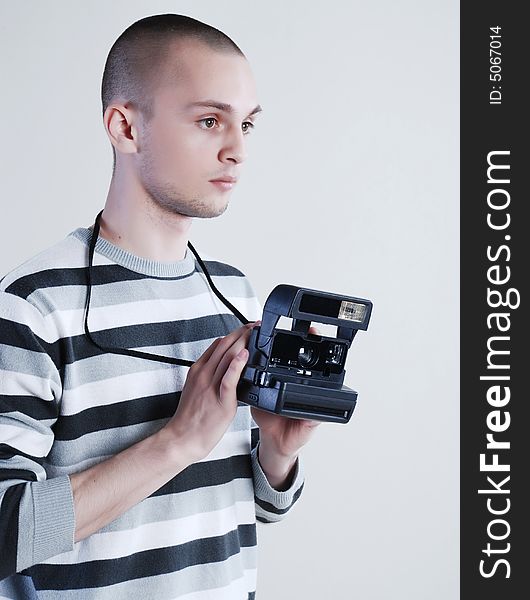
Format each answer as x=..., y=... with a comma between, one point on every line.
x=208, y=123
x=247, y=126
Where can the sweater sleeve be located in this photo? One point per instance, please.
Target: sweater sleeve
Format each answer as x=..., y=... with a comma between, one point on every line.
x=36, y=513
x=272, y=505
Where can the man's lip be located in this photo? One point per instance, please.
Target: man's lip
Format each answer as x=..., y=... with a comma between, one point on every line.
x=225, y=179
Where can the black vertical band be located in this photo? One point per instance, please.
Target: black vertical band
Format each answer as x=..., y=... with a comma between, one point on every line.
x=494, y=301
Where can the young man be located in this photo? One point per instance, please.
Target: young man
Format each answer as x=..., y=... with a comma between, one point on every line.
x=122, y=477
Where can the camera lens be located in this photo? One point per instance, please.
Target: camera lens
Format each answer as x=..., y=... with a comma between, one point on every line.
x=307, y=356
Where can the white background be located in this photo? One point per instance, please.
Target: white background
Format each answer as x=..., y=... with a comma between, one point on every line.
x=352, y=187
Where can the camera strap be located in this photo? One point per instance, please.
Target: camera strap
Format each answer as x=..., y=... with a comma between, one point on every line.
x=137, y=353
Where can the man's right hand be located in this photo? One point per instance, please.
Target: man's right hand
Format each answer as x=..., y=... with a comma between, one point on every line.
x=208, y=404
x=208, y=401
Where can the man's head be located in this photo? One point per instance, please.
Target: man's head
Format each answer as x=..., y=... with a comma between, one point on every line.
x=178, y=99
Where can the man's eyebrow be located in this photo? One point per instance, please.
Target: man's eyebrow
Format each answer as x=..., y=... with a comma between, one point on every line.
x=221, y=106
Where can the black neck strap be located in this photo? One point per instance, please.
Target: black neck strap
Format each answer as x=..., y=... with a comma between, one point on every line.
x=136, y=353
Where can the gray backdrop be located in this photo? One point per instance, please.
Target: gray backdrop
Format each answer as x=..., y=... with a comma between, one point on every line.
x=351, y=186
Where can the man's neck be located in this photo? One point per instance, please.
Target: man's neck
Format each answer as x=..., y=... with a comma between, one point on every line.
x=135, y=224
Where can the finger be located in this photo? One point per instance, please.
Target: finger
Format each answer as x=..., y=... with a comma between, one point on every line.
x=217, y=350
x=223, y=365
x=205, y=356
x=310, y=423
x=209, y=369
x=227, y=387
x=229, y=339
x=314, y=331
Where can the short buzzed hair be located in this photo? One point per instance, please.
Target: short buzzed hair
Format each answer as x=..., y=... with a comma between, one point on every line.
x=137, y=57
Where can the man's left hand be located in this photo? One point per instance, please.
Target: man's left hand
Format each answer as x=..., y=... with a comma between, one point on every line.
x=281, y=439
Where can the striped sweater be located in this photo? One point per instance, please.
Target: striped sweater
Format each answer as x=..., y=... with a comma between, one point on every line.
x=65, y=405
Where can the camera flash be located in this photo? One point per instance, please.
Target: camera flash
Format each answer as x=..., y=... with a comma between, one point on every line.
x=351, y=311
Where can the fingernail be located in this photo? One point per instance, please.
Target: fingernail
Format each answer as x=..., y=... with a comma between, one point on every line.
x=243, y=354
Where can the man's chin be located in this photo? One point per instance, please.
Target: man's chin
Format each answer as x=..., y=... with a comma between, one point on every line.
x=200, y=208
x=209, y=210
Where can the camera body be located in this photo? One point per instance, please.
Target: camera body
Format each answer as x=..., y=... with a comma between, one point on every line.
x=296, y=373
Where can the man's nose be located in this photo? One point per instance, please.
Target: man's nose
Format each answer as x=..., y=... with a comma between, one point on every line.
x=233, y=149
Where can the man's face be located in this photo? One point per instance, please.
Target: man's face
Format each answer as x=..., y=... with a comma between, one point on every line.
x=191, y=151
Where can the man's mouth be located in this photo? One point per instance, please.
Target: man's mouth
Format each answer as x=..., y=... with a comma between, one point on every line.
x=225, y=182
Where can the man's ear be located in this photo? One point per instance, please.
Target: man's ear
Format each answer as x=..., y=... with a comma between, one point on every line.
x=120, y=124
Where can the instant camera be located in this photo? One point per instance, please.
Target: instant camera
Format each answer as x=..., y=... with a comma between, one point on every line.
x=296, y=373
